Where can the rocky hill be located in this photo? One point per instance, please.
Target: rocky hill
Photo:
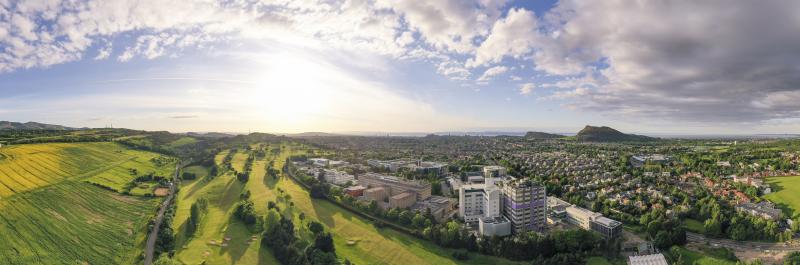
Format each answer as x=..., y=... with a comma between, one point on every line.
x=608, y=134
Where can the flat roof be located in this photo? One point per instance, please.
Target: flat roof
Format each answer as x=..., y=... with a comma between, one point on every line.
x=654, y=259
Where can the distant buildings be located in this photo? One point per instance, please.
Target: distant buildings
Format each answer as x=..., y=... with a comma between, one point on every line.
x=640, y=160
x=337, y=177
x=654, y=259
x=440, y=207
x=525, y=205
x=394, y=185
x=422, y=167
x=764, y=209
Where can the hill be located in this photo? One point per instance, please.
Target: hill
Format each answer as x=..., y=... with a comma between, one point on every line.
x=542, y=135
x=608, y=134
x=10, y=125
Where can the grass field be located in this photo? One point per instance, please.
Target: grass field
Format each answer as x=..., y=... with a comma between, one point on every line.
x=597, y=261
x=697, y=258
x=49, y=215
x=694, y=225
x=31, y=166
x=373, y=246
x=222, y=192
x=785, y=194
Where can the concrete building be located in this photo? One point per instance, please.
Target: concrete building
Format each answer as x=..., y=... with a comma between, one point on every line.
x=654, y=259
x=440, y=207
x=375, y=194
x=494, y=226
x=394, y=185
x=337, y=177
x=581, y=217
x=402, y=200
x=320, y=162
x=430, y=168
x=764, y=209
x=608, y=228
x=494, y=171
x=556, y=208
x=525, y=205
x=479, y=200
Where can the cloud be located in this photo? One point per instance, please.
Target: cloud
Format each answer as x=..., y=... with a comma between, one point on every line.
x=728, y=63
x=526, y=88
x=492, y=72
x=512, y=36
x=104, y=52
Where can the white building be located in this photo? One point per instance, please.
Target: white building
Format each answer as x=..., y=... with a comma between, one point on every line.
x=494, y=226
x=320, y=162
x=337, y=177
x=581, y=217
x=494, y=171
x=479, y=200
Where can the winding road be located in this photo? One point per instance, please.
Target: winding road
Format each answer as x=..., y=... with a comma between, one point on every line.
x=151, y=239
x=743, y=245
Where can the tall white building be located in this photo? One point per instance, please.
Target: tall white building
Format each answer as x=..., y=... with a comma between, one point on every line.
x=479, y=200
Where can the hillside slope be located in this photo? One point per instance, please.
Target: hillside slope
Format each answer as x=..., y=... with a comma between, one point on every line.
x=608, y=134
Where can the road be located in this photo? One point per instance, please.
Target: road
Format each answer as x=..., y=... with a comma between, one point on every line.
x=742, y=245
x=151, y=239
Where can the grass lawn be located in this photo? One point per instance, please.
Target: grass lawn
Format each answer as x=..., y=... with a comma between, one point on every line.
x=785, y=194
x=52, y=216
x=373, y=246
x=698, y=258
x=597, y=261
x=694, y=225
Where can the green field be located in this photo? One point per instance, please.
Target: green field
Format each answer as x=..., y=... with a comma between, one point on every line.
x=696, y=258
x=50, y=215
x=372, y=245
x=694, y=225
x=785, y=194
x=597, y=261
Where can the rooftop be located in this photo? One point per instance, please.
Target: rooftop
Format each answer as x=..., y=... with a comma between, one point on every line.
x=654, y=259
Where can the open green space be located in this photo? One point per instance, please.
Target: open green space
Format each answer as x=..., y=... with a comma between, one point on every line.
x=50, y=215
x=785, y=194
x=597, y=261
x=355, y=238
x=694, y=225
x=698, y=258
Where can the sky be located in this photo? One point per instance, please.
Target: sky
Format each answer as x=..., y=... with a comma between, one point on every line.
x=653, y=67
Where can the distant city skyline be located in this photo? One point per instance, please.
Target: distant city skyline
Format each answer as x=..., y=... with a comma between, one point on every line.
x=403, y=66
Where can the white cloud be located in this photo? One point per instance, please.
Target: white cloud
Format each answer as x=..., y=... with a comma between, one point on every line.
x=104, y=52
x=512, y=36
x=527, y=88
x=492, y=72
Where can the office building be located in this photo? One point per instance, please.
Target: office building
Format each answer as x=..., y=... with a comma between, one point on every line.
x=608, y=228
x=494, y=226
x=402, y=200
x=525, y=205
x=394, y=185
x=375, y=194
x=479, y=200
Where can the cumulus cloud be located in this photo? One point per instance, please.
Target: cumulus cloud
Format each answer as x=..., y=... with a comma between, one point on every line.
x=526, y=88
x=492, y=72
x=731, y=62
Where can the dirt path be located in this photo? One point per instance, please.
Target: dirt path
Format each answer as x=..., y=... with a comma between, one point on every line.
x=149, y=248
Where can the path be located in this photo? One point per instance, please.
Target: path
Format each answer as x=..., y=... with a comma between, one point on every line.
x=151, y=239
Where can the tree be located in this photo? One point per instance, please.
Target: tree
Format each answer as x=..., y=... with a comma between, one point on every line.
x=418, y=221
x=324, y=242
x=315, y=227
